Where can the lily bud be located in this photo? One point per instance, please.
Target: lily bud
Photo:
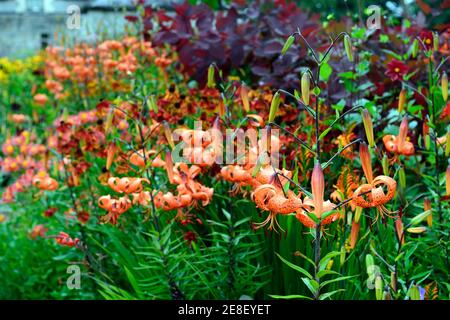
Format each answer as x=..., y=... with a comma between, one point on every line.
x=420, y=217
x=152, y=104
x=370, y=263
x=111, y=152
x=244, y=98
x=399, y=230
x=415, y=48
x=385, y=165
x=427, y=207
x=416, y=230
x=447, y=180
x=358, y=212
x=401, y=100
x=414, y=293
x=168, y=135
x=287, y=44
x=402, y=134
x=318, y=189
x=402, y=177
x=368, y=127
x=305, y=86
x=394, y=281
x=342, y=256
x=447, y=144
x=276, y=99
x=366, y=161
x=444, y=86
x=436, y=41
x=211, y=83
x=379, y=288
x=348, y=47
x=354, y=234
x=387, y=295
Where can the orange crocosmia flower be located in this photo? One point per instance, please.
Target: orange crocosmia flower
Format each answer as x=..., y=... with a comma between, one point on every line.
x=399, y=144
x=371, y=194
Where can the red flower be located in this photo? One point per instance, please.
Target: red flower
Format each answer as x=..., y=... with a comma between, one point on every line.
x=50, y=212
x=189, y=237
x=427, y=39
x=396, y=70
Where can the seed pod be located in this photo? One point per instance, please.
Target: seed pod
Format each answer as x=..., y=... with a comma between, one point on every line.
x=415, y=48
x=368, y=127
x=401, y=100
x=276, y=99
x=211, y=81
x=287, y=44
x=444, y=86
x=402, y=177
x=305, y=84
x=436, y=41
x=416, y=230
x=379, y=288
x=348, y=47
x=427, y=207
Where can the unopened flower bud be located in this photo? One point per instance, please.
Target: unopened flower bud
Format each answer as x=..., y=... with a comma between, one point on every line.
x=348, y=47
x=211, y=81
x=305, y=86
x=244, y=98
x=435, y=41
x=415, y=48
x=444, y=86
x=416, y=230
x=401, y=100
x=368, y=127
x=276, y=99
x=427, y=207
x=287, y=44
x=379, y=287
x=318, y=189
x=402, y=177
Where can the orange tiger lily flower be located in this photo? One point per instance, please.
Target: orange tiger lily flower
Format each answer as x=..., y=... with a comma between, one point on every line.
x=115, y=207
x=399, y=144
x=126, y=185
x=271, y=198
x=373, y=189
x=309, y=205
x=44, y=182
